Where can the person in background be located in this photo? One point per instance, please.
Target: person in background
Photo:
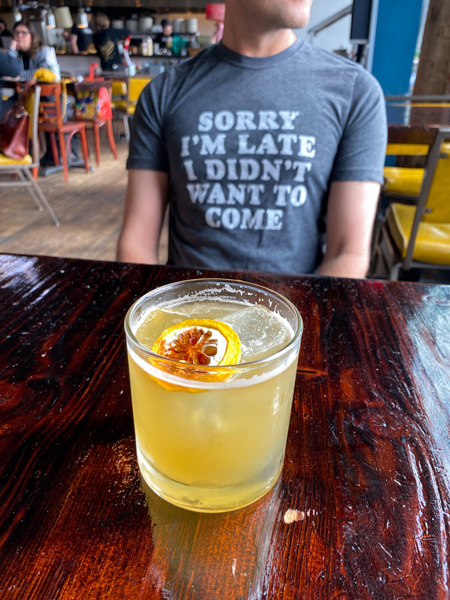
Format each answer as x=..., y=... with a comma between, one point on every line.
x=32, y=54
x=260, y=145
x=82, y=37
x=4, y=28
x=164, y=38
x=5, y=34
x=29, y=49
x=105, y=41
x=9, y=67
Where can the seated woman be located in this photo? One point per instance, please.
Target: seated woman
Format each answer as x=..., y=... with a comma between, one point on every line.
x=32, y=54
x=29, y=49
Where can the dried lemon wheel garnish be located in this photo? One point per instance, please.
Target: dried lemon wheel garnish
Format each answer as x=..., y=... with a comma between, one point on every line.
x=199, y=342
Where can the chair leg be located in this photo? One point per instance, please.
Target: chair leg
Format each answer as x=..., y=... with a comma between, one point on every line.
x=126, y=128
x=35, y=189
x=84, y=147
x=112, y=143
x=36, y=169
x=21, y=175
x=62, y=147
x=54, y=149
x=97, y=143
x=395, y=272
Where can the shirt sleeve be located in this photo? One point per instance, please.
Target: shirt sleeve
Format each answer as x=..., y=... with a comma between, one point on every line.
x=362, y=149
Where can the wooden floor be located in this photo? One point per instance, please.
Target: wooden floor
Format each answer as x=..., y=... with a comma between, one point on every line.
x=89, y=207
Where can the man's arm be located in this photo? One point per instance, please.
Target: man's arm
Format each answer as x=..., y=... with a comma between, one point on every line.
x=145, y=205
x=350, y=216
x=74, y=43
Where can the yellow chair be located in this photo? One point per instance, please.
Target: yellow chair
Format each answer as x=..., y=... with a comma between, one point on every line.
x=22, y=169
x=125, y=94
x=415, y=232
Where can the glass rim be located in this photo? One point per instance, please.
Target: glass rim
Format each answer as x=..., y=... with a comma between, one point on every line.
x=206, y=368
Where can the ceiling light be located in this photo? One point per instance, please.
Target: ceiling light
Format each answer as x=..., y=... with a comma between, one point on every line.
x=63, y=17
x=16, y=15
x=82, y=20
x=50, y=22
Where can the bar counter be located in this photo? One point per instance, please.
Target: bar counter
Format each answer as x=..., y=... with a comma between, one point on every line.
x=362, y=508
x=79, y=64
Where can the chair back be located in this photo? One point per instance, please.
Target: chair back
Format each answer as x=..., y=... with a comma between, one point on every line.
x=438, y=202
x=119, y=88
x=32, y=107
x=135, y=87
x=50, y=108
x=34, y=111
x=93, y=100
x=432, y=204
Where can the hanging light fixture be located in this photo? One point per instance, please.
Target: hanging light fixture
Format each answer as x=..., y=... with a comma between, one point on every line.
x=82, y=20
x=50, y=22
x=63, y=17
x=16, y=13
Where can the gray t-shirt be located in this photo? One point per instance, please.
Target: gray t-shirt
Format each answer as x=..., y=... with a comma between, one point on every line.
x=251, y=145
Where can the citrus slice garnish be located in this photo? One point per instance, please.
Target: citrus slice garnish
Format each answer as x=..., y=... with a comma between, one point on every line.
x=198, y=343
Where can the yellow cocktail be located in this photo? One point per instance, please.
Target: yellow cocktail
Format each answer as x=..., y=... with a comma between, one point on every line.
x=211, y=436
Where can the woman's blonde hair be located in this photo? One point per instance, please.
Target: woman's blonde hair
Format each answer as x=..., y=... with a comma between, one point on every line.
x=101, y=21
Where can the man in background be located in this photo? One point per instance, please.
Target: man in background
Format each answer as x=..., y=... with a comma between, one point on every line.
x=82, y=37
x=106, y=40
x=164, y=38
x=261, y=145
x=5, y=34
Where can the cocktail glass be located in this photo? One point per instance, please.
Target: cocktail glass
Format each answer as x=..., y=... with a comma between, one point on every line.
x=213, y=438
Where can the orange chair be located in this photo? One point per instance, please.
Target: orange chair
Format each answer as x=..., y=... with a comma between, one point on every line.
x=94, y=121
x=51, y=121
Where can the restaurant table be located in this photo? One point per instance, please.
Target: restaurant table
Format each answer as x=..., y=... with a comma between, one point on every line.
x=362, y=508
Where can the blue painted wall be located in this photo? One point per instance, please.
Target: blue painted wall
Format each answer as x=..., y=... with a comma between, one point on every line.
x=397, y=29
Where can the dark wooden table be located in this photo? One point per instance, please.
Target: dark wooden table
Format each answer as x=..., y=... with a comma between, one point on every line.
x=362, y=509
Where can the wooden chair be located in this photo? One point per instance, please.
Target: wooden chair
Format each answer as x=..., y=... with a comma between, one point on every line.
x=95, y=122
x=51, y=121
x=415, y=228
x=22, y=169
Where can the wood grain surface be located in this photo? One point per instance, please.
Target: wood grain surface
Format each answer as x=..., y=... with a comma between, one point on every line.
x=362, y=509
